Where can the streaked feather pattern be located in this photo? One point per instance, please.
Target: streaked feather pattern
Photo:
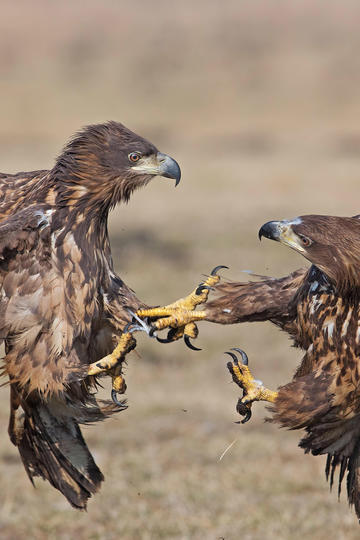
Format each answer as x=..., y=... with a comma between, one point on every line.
x=62, y=306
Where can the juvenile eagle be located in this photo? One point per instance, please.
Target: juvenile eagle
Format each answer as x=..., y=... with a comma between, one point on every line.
x=62, y=307
x=321, y=311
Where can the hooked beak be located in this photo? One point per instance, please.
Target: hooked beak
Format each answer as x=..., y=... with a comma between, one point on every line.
x=168, y=167
x=281, y=231
x=159, y=165
x=271, y=230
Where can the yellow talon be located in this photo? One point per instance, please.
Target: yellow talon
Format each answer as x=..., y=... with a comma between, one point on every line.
x=107, y=363
x=118, y=387
x=253, y=390
x=187, y=304
x=181, y=315
x=119, y=384
x=191, y=330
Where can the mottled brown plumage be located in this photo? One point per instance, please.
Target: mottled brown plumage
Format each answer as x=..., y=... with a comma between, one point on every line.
x=320, y=309
x=62, y=306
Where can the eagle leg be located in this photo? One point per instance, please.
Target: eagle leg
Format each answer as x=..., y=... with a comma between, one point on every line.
x=17, y=417
x=253, y=390
x=112, y=363
x=106, y=364
x=180, y=316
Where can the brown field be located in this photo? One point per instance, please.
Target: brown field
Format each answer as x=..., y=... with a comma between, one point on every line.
x=259, y=102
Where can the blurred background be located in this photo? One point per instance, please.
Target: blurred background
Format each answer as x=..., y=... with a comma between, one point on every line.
x=259, y=102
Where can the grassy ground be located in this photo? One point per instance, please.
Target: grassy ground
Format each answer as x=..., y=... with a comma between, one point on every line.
x=259, y=103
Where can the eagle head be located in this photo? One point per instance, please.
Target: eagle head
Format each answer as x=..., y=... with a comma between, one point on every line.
x=107, y=162
x=331, y=243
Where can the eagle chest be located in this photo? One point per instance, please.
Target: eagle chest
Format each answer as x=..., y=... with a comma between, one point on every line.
x=81, y=272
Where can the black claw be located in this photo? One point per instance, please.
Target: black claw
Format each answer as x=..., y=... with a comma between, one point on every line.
x=164, y=340
x=116, y=401
x=245, y=411
x=189, y=344
x=201, y=287
x=169, y=338
x=244, y=356
x=230, y=367
x=215, y=270
x=152, y=332
x=234, y=357
x=246, y=419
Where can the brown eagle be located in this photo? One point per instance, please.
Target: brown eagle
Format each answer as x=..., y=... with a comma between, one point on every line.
x=62, y=307
x=320, y=309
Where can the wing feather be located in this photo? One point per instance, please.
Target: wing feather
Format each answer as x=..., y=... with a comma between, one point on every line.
x=34, y=322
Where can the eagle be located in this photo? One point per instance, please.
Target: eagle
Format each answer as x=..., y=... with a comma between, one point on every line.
x=320, y=309
x=62, y=306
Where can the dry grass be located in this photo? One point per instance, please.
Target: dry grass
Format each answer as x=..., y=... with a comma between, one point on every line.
x=259, y=103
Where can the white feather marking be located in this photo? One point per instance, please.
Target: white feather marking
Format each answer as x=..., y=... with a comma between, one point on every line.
x=81, y=189
x=314, y=304
x=54, y=236
x=314, y=286
x=329, y=328
x=295, y=221
x=346, y=323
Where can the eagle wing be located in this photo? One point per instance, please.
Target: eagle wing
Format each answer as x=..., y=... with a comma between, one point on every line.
x=13, y=186
x=36, y=322
x=33, y=317
x=265, y=300
x=323, y=399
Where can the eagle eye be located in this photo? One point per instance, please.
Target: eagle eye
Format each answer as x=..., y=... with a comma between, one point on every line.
x=306, y=242
x=134, y=157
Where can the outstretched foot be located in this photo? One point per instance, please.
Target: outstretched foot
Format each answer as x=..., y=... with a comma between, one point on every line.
x=253, y=390
x=180, y=316
x=112, y=363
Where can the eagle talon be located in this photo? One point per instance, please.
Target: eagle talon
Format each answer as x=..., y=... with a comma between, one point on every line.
x=106, y=364
x=203, y=287
x=116, y=401
x=244, y=411
x=189, y=344
x=171, y=336
x=180, y=316
x=244, y=356
x=229, y=365
x=215, y=270
x=152, y=333
x=253, y=390
x=164, y=340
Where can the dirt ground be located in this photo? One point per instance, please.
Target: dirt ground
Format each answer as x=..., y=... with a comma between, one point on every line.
x=259, y=102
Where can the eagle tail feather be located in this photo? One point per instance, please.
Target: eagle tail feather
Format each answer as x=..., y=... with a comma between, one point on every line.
x=351, y=465
x=353, y=480
x=52, y=447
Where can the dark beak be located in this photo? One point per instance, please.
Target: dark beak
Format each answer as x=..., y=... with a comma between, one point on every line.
x=271, y=230
x=168, y=167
